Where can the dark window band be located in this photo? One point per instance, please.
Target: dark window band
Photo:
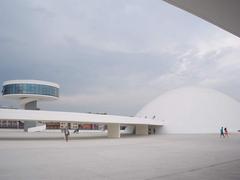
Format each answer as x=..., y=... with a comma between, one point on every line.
x=30, y=89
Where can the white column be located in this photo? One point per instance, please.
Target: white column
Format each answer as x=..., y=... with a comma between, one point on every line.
x=29, y=104
x=141, y=129
x=25, y=101
x=113, y=130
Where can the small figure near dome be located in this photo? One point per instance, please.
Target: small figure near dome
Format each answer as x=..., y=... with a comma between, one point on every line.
x=225, y=132
x=221, y=132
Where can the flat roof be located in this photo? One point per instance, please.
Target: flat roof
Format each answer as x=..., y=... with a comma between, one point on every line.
x=59, y=116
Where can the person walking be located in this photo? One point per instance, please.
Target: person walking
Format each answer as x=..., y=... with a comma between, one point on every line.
x=66, y=133
x=221, y=132
x=225, y=132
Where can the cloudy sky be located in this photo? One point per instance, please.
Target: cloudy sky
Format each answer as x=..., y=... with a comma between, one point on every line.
x=113, y=56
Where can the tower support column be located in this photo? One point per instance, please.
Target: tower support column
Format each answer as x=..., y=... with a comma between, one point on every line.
x=30, y=106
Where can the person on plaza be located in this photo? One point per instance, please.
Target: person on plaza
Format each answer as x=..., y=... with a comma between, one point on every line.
x=221, y=132
x=66, y=133
x=225, y=132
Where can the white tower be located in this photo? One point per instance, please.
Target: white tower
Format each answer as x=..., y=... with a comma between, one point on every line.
x=28, y=92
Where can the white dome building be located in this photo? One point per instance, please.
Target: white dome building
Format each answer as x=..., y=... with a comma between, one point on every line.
x=194, y=110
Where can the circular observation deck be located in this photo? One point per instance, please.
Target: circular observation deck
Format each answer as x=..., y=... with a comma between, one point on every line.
x=35, y=89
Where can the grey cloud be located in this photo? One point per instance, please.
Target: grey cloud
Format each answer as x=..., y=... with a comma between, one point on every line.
x=111, y=56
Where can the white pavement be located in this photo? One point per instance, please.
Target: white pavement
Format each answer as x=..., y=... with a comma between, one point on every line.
x=19, y=134
x=167, y=157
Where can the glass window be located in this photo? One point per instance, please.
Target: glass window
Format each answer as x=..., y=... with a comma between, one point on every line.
x=30, y=89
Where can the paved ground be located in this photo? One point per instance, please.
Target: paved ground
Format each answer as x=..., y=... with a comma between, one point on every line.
x=167, y=157
x=19, y=134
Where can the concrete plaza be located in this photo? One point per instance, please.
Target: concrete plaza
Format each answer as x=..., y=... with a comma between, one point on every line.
x=167, y=157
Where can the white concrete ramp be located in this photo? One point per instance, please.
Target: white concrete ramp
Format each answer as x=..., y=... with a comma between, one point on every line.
x=34, y=115
x=37, y=128
x=112, y=121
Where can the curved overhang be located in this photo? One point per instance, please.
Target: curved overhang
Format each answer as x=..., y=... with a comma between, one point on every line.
x=31, y=96
x=56, y=116
x=223, y=13
x=47, y=83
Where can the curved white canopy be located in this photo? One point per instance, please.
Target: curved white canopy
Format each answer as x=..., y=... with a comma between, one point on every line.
x=222, y=13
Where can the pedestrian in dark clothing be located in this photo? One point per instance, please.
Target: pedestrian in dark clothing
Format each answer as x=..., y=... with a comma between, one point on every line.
x=221, y=132
x=66, y=133
x=225, y=132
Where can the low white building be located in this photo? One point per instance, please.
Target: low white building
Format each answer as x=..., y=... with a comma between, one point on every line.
x=183, y=110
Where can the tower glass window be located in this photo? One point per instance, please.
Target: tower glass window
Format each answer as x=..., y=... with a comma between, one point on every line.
x=30, y=89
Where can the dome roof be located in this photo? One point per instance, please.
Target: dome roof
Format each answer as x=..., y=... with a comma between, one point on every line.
x=194, y=110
